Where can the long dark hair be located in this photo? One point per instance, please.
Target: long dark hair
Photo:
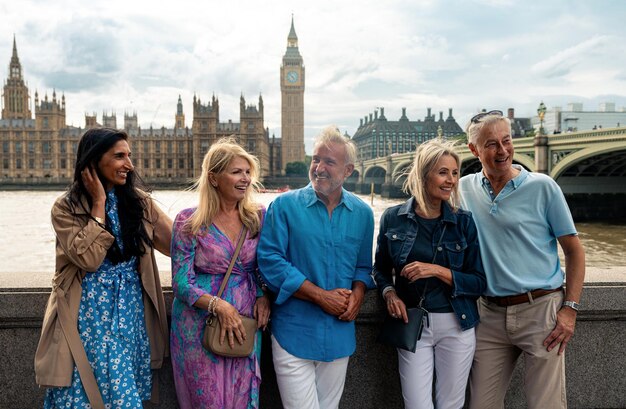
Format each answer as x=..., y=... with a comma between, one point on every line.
x=131, y=203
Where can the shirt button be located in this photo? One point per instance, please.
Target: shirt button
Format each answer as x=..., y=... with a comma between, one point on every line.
x=395, y=236
x=458, y=247
x=463, y=316
x=439, y=248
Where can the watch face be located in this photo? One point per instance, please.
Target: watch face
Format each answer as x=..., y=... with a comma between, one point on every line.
x=292, y=76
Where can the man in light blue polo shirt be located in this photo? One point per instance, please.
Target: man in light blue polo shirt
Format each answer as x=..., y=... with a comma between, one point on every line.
x=521, y=218
x=315, y=254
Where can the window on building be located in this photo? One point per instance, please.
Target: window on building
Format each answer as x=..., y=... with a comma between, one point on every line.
x=5, y=147
x=181, y=163
x=169, y=164
x=62, y=147
x=63, y=163
x=204, y=147
x=31, y=164
x=181, y=147
x=146, y=146
x=157, y=147
x=31, y=147
x=47, y=163
x=5, y=163
x=158, y=163
x=18, y=163
x=45, y=122
x=74, y=147
x=146, y=164
x=170, y=146
x=46, y=147
x=18, y=147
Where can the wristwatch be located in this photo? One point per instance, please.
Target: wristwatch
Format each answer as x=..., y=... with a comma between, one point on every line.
x=572, y=304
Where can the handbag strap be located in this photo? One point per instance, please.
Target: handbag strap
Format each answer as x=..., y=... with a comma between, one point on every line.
x=433, y=262
x=242, y=237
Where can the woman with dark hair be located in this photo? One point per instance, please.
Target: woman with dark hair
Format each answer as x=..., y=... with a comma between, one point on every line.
x=105, y=326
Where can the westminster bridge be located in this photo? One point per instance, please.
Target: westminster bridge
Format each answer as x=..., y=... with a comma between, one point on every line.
x=589, y=166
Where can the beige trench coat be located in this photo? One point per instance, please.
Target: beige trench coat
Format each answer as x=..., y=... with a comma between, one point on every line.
x=81, y=246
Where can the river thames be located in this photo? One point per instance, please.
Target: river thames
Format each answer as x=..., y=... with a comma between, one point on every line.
x=27, y=237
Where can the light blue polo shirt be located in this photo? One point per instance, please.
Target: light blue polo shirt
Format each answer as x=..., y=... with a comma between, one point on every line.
x=518, y=230
x=299, y=241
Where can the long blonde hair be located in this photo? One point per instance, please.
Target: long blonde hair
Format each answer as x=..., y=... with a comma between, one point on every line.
x=426, y=157
x=216, y=161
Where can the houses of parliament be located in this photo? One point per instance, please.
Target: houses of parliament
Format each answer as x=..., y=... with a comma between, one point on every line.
x=43, y=150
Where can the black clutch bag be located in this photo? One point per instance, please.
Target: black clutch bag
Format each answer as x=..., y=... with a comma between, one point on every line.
x=396, y=333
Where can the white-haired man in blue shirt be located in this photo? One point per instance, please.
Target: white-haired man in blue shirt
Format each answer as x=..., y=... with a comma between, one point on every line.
x=315, y=253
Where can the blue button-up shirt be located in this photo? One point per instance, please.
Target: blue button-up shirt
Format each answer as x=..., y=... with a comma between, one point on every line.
x=300, y=241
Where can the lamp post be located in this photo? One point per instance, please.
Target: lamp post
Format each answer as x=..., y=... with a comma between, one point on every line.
x=541, y=144
x=541, y=112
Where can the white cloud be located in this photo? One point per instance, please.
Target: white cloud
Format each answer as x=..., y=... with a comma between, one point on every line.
x=139, y=56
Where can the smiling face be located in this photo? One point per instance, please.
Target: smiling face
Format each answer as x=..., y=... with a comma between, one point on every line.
x=329, y=169
x=234, y=181
x=115, y=164
x=494, y=149
x=442, y=180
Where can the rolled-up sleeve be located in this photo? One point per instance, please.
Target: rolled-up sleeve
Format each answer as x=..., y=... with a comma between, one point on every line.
x=364, y=259
x=86, y=245
x=183, y=251
x=280, y=275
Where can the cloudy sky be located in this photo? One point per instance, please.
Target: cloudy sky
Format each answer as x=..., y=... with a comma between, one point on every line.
x=126, y=56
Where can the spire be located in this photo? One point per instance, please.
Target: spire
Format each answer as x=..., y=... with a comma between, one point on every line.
x=292, y=38
x=179, y=106
x=14, y=56
x=15, y=68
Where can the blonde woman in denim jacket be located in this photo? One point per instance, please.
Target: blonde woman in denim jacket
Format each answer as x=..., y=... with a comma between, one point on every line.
x=407, y=242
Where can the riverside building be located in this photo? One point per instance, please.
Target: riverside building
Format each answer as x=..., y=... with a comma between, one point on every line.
x=377, y=137
x=41, y=148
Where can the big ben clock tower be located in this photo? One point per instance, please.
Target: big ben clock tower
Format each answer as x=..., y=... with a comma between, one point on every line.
x=292, y=101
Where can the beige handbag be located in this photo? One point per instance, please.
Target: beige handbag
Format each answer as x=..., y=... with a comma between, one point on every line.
x=213, y=329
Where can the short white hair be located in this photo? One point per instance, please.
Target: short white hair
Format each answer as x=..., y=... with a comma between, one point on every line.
x=331, y=134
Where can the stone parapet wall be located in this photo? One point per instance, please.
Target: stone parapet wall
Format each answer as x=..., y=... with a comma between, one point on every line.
x=595, y=358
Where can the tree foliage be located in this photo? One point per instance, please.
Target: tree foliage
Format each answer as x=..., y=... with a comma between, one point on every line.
x=296, y=169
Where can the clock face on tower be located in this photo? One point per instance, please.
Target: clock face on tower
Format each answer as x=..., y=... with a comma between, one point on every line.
x=292, y=76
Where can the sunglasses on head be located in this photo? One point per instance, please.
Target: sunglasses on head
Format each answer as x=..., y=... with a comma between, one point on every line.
x=476, y=118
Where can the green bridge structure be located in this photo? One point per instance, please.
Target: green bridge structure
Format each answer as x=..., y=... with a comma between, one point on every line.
x=589, y=166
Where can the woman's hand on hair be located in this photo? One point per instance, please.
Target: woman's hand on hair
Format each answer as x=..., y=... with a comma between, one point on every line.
x=262, y=311
x=232, y=326
x=93, y=185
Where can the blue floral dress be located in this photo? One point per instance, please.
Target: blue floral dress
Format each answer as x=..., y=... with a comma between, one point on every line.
x=113, y=332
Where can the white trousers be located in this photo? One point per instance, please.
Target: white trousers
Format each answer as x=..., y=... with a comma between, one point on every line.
x=445, y=350
x=307, y=384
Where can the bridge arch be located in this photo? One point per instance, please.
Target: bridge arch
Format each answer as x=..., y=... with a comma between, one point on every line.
x=374, y=174
x=595, y=170
x=615, y=149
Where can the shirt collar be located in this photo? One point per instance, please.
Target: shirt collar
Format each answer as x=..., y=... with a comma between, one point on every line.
x=311, y=198
x=407, y=207
x=516, y=181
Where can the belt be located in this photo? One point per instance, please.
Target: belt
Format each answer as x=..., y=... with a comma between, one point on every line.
x=521, y=298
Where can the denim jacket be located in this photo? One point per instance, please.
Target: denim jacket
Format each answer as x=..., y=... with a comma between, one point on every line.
x=458, y=251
